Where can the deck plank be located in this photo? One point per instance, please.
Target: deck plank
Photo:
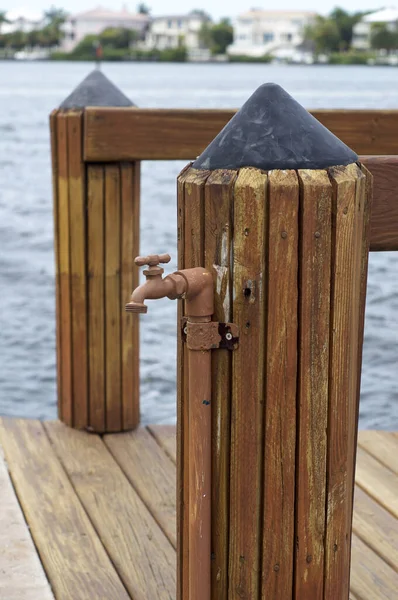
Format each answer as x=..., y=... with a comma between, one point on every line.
x=165, y=435
x=21, y=575
x=377, y=481
x=151, y=473
x=57, y=521
x=141, y=553
x=383, y=445
x=376, y=527
x=371, y=577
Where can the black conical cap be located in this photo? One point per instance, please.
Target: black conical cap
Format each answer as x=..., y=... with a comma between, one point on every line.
x=273, y=131
x=96, y=90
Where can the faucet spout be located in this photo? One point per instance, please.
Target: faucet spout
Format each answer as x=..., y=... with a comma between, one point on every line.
x=195, y=285
x=153, y=289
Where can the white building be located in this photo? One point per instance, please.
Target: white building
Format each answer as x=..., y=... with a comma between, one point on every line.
x=174, y=31
x=22, y=20
x=362, y=31
x=277, y=32
x=93, y=22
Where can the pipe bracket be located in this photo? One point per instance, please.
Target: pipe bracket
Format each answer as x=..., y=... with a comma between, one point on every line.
x=209, y=336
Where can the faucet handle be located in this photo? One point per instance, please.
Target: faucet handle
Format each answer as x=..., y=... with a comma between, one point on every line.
x=153, y=260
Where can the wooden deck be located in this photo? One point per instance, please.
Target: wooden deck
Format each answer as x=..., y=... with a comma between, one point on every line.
x=86, y=517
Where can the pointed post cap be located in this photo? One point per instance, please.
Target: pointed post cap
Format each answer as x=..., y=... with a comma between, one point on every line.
x=273, y=131
x=95, y=90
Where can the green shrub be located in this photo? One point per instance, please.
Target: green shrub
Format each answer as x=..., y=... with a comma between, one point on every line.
x=350, y=58
x=241, y=58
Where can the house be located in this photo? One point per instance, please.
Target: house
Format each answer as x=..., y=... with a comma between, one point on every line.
x=362, y=31
x=277, y=32
x=175, y=30
x=22, y=20
x=93, y=22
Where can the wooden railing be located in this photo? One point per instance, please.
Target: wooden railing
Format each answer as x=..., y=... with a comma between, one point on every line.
x=135, y=134
x=96, y=165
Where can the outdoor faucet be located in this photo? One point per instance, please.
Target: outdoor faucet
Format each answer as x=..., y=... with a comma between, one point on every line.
x=195, y=285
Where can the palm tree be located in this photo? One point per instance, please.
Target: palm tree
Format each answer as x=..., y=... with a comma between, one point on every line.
x=3, y=18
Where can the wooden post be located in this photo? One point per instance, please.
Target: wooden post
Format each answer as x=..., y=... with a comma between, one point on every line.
x=96, y=234
x=284, y=232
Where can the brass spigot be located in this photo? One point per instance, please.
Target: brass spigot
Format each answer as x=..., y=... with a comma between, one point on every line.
x=195, y=285
x=155, y=287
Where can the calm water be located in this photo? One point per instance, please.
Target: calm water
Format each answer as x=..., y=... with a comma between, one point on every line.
x=28, y=93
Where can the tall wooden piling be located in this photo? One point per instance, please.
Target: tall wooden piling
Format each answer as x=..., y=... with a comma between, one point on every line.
x=281, y=222
x=96, y=235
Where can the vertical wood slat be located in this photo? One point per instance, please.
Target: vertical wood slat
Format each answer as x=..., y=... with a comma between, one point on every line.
x=280, y=386
x=341, y=371
x=218, y=236
x=77, y=201
x=314, y=306
x=96, y=294
x=112, y=298
x=247, y=384
x=130, y=236
x=65, y=308
x=194, y=182
x=182, y=382
x=55, y=174
x=358, y=309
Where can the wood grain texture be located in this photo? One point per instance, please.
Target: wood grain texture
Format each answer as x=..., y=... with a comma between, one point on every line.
x=382, y=445
x=371, y=577
x=362, y=203
x=141, y=553
x=384, y=206
x=377, y=481
x=343, y=380
x=280, y=386
x=54, y=169
x=376, y=527
x=57, y=521
x=193, y=256
x=246, y=472
x=178, y=134
x=182, y=415
x=96, y=295
x=218, y=253
x=165, y=435
x=65, y=308
x=130, y=245
x=151, y=473
x=113, y=305
x=21, y=574
x=200, y=497
x=78, y=262
x=313, y=344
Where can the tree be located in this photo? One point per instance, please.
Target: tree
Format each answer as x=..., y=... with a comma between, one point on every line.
x=52, y=33
x=118, y=37
x=3, y=19
x=143, y=9
x=217, y=37
x=222, y=35
x=324, y=33
x=345, y=24
x=384, y=38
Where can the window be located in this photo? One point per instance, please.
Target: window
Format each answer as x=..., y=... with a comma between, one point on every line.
x=169, y=24
x=268, y=37
x=297, y=22
x=179, y=23
x=243, y=37
x=287, y=37
x=246, y=21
